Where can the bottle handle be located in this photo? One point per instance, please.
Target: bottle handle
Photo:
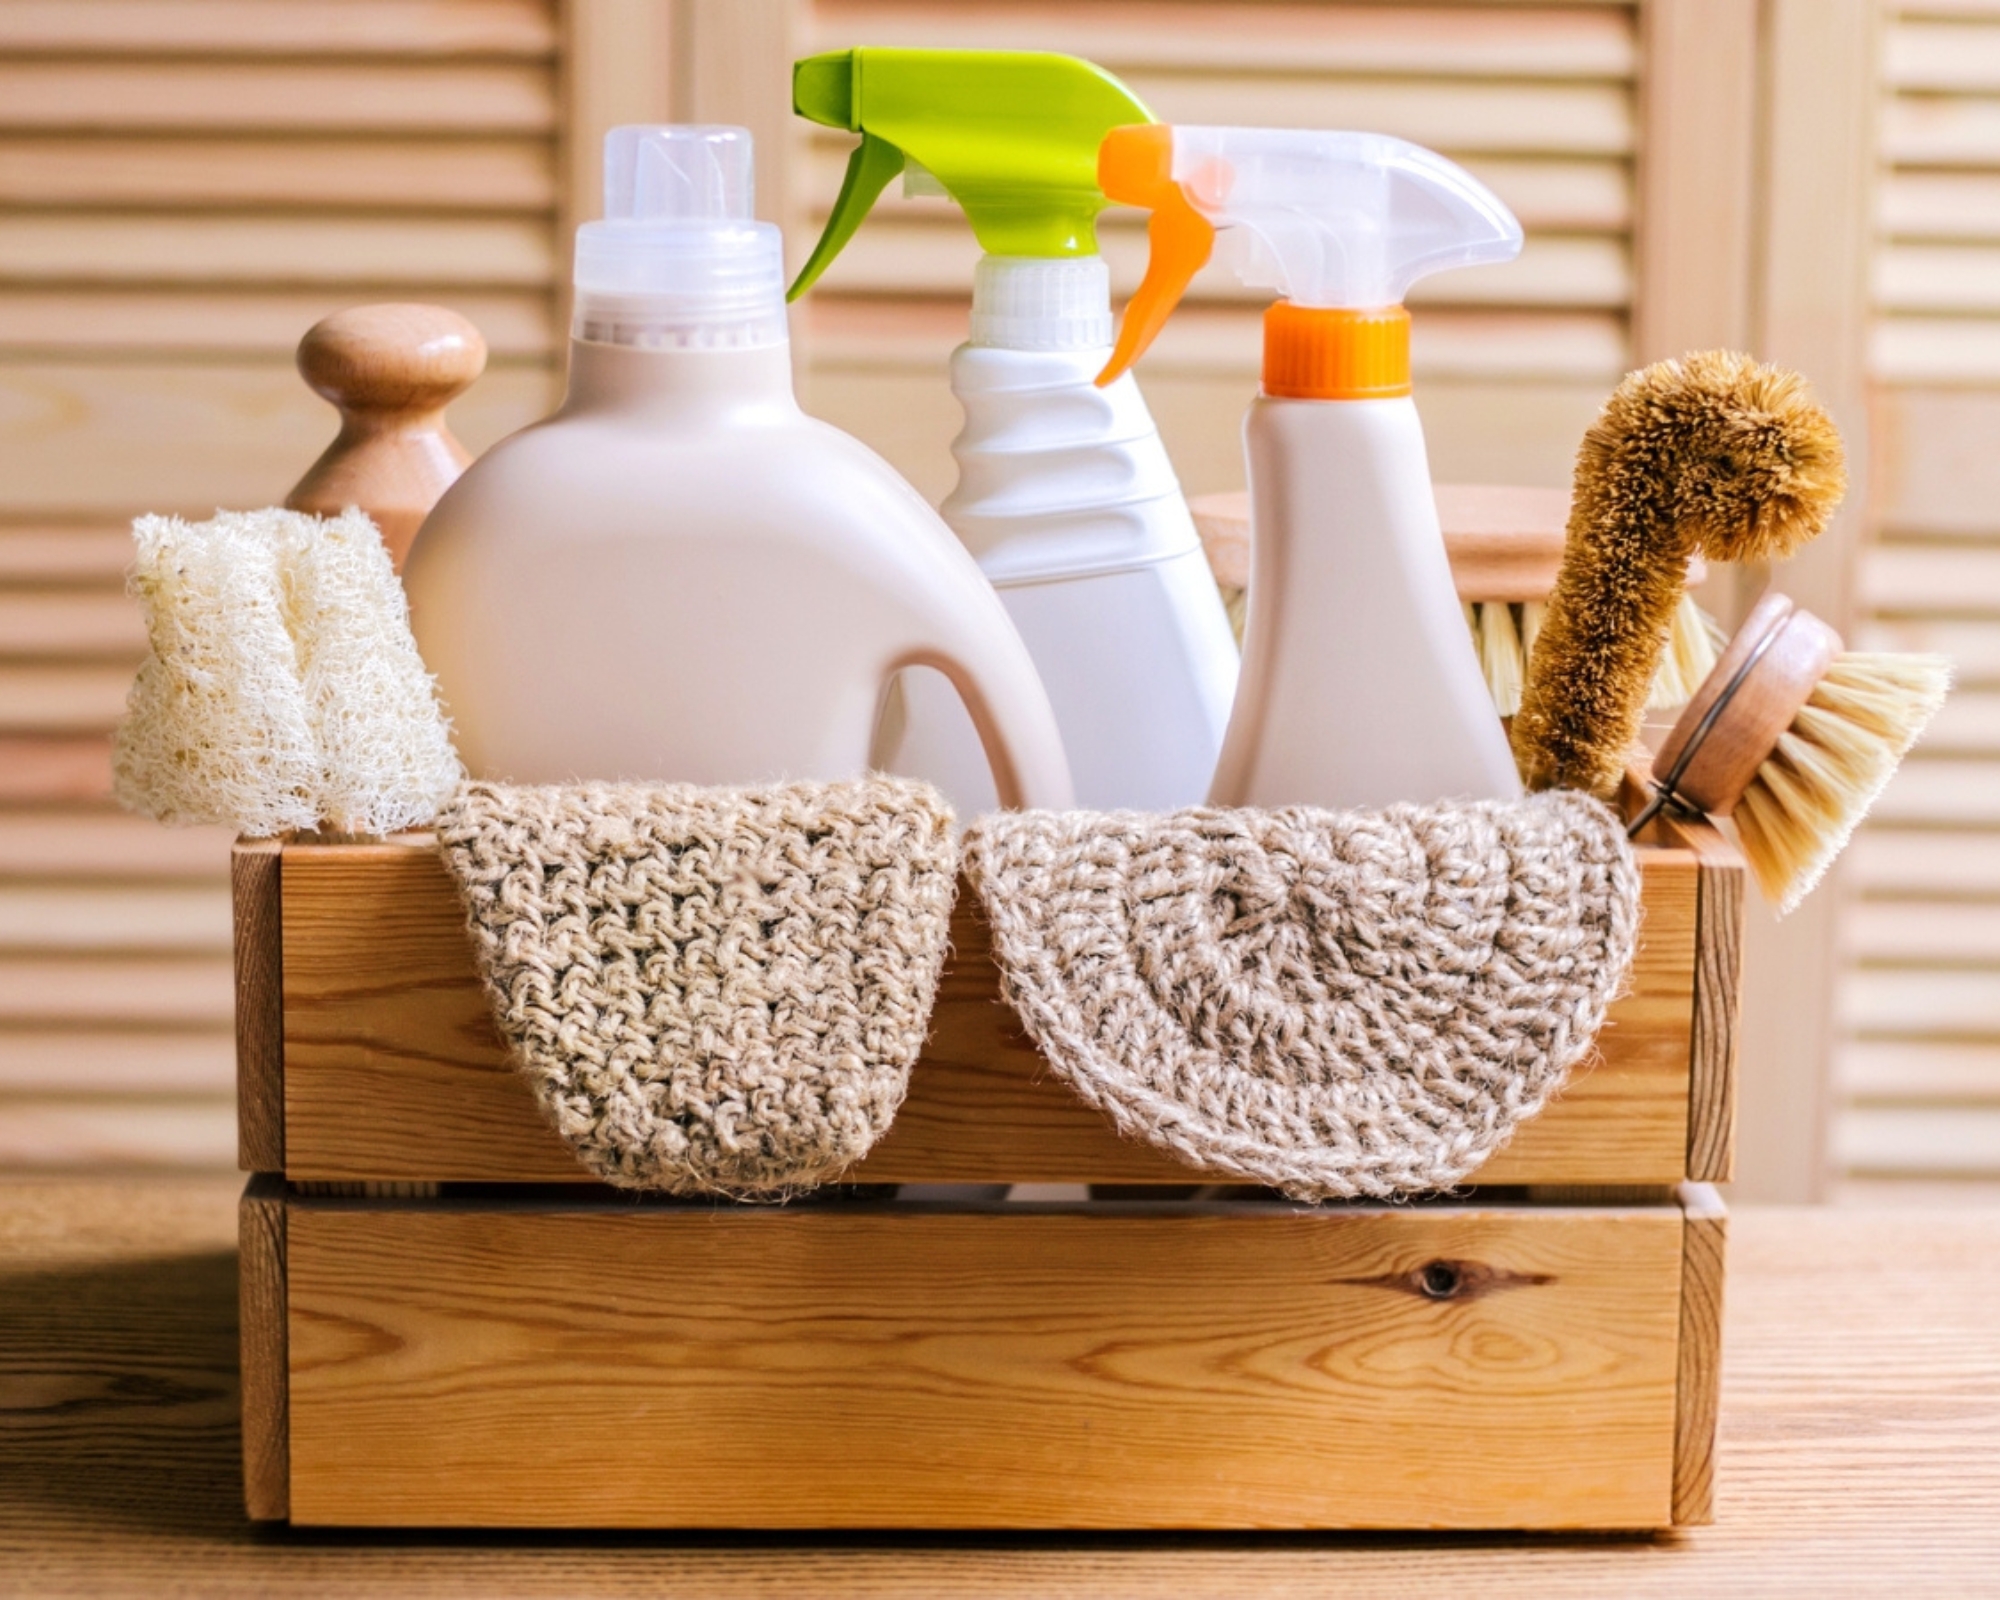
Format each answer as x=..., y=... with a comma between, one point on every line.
x=1016, y=728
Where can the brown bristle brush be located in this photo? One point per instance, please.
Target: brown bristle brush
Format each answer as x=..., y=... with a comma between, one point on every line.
x=1795, y=737
x=1711, y=454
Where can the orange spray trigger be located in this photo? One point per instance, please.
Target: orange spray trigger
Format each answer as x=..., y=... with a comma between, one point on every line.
x=1135, y=167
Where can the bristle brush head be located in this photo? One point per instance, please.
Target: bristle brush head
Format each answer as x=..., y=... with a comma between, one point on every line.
x=1828, y=769
x=1757, y=465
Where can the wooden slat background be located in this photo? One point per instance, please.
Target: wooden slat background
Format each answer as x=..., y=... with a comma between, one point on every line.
x=185, y=186
x=1917, y=1086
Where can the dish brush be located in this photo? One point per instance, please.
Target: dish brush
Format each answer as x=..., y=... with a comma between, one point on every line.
x=1794, y=736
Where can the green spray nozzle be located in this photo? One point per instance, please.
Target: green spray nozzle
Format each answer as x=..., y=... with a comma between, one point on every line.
x=1011, y=135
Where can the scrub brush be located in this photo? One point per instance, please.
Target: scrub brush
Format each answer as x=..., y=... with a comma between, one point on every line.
x=1711, y=453
x=1795, y=737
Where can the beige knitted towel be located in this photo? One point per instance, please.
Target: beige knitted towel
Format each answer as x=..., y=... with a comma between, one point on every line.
x=1334, y=1003
x=711, y=990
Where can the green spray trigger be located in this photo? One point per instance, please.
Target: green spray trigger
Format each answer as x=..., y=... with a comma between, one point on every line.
x=1011, y=135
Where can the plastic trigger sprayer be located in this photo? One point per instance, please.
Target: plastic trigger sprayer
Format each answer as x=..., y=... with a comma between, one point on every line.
x=1360, y=684
x=1064, y=492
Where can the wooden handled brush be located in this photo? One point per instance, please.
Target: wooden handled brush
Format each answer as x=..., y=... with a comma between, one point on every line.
x=1795, y=736
x=390, y=370
x=1711, y=454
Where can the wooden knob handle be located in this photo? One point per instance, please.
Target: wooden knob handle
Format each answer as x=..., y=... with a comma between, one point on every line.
x=390, y=370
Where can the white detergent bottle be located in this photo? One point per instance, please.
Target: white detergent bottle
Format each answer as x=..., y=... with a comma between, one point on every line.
x=1064, y=494
x=679, y=576
x=1361, y=685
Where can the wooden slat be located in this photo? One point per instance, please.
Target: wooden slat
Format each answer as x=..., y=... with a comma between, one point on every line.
x=82, y=1062
x=1952, y=578
x=115, y=991
x=1718, y=998
x=297, y=27
x=1432, y=41
x=1905, y=931
x=1938, y=469
x=72, y=845
x=75, y=697
x=1956, y=278
x=1698, y=1391
x=95, y=320
x=495, y=173
x=1942, y=793
x=1903, y=1070
x=209, y=97
x=1919, y=1141
x=111, y=437
x=1941, y=131
x=1236, y=1368
x=1939, y=205
x=1925, y=349
x=178, y=247
x=255, y=868
x=263, y=1316
x=114, y=917
x=41, y=554
x=1942, y=56
x=77, y=1134
x=1890, y=861
x=82, y=623
x=41, y=770
x=1921, y=1002
x=388, y=1041
x=1973, y=646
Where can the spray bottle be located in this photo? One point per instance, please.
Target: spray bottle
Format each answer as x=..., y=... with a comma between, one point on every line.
x=1064, y=493
x=1360, y=684
x=680, y=577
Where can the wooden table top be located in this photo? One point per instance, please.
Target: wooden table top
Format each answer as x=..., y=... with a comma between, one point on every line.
x=1859, y=1454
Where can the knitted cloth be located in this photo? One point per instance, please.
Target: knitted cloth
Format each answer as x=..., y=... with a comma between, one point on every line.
x=711, y=990
x=1333, y=1003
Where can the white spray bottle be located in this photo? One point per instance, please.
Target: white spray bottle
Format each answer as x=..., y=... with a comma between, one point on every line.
x=1360, y=684
x=1065, y=494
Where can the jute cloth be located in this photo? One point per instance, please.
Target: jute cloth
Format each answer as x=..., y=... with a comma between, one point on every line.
x=711, y=990
x=1339, y=1004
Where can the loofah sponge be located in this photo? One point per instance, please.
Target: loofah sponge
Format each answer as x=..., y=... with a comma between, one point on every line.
x=283, y=689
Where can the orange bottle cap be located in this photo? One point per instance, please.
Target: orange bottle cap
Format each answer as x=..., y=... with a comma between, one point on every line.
x=1331, y=353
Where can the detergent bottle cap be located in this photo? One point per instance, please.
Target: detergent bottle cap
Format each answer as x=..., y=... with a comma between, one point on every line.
x=1012, y=136
x=1339, y=224
x=678, y=259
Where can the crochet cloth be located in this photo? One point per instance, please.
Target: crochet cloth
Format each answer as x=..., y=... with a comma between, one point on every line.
x=1337, y=1004
x=711, y=990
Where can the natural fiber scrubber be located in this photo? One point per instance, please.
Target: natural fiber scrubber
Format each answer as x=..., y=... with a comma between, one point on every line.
x=1711, y=454
x=282, y=688
x=1795, y=737
x=1335, y=1003
x=711, y=990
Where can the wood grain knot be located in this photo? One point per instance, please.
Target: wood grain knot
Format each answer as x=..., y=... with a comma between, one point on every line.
x=1446, y=1280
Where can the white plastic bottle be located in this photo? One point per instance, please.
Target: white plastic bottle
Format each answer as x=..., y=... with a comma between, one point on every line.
x=679, y=576
x=1361, y=685
x=1066, y=498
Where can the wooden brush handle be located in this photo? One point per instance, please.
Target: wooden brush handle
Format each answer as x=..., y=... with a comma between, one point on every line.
x=1797, y=650
x=390, y=370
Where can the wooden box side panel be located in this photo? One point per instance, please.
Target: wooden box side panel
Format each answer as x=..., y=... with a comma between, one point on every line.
x=257, y=916
x=1704, y=1243
x=850, y=1367
x=394, y=1071
x=263, y=1322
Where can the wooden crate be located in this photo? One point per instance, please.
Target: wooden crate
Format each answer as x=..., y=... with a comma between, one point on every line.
x=446, y=1325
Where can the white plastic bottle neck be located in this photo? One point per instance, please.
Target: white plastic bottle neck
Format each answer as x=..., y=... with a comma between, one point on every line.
x=635, y=381
x=1041, y=303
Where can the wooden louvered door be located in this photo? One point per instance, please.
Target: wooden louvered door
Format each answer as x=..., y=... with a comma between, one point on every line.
x=1917, y=1111
x=184, y=188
